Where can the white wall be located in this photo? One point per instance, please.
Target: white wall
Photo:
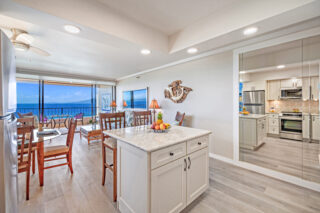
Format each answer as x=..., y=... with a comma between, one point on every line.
x=208, y=106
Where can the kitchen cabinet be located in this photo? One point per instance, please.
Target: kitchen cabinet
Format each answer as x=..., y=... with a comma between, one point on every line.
x=273, y=124
x=197, y=175
x=315, y=88
x=169, y=179
x=273, y=90
x=306, y=88
x=306, y=126
x=176, y=184
x=163, y=173
x=291, y=83
x=315, y=127
x=252, y=131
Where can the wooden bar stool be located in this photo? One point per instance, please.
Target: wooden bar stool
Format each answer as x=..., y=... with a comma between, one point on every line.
x=24, y=154
x=142, y=118
x=110, y=121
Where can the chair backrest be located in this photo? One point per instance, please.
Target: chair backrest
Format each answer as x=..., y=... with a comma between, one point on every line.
x=110, y=121
x=25, y=133
x=142, y=118
x=71, y=131
x=27, y=121
x=78, y=116
x=180, y=117
x=21, y=115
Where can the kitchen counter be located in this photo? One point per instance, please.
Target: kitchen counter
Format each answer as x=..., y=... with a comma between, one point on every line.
x=145, y=139
x=160, y=172
x=253, y=116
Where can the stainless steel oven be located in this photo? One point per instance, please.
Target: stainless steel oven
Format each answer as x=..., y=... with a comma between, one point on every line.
x=291, y=125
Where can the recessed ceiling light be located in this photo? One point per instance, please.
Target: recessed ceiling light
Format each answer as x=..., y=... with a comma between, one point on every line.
x=145, y=52
x=243, y=72
x=192, y=50
x=71, y=29
x=250, y=31
x=281, y=66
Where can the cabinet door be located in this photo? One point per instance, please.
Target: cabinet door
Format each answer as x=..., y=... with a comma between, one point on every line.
x=287, y=83
x=298, y=82
x=168, y=187
x=197, y=174
x=306, y=126
x=306, y=89
x=316, y=127
x=315, y=88
x=274, y=90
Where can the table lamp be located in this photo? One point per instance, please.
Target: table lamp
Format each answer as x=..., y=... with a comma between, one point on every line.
x=154, y=105
x=113, y=105
x=124, y=104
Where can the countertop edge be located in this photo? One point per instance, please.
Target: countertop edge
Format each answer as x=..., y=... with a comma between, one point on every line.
x=161, y=147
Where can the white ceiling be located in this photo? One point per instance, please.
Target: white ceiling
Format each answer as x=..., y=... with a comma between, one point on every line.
x=114, y=32
x=167, y=16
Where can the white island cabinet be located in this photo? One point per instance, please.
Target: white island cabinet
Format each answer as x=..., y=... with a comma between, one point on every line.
x=160, y=172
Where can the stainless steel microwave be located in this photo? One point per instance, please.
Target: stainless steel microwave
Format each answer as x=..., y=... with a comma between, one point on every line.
x=291, y=93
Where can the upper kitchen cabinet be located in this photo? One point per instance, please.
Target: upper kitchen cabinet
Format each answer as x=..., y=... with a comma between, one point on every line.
x=314, y=88
x=273, y=90
x=291, y=83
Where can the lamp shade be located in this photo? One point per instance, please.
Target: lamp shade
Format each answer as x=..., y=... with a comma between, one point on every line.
x=125, y=104
x=154, y=104
x=113, y=104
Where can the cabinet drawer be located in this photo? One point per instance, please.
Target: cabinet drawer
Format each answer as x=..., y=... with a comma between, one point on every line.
x=197, y=143
x=273, y=122
x=273, y=116
x=166, y=155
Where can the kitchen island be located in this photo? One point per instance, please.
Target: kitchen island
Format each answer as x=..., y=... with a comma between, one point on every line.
x=160, y=172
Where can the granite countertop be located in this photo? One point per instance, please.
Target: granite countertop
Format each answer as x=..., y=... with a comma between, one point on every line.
x=253, y=116
x=144, y=138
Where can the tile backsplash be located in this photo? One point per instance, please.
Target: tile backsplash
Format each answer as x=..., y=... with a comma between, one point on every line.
x=289, y=105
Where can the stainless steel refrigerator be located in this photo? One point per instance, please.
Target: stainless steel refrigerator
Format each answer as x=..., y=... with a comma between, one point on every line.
x=254, y=101
x=8, y=128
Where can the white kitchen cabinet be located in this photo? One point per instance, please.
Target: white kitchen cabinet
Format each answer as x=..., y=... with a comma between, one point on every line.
x=273, y=90
x=306, y=126
x=315, y=127
x=290, y=83
x=168, y=187
x=273, y=124
x=306, y=88
x=315, y=88
x=252, y=132
x=176, y=184
x=197, y=174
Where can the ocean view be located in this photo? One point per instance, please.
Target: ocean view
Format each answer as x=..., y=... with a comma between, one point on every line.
x=57, y=109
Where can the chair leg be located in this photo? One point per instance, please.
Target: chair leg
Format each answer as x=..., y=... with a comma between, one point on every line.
x=103, y=164
x=115, y=175
x=33, y=162
x=69, y=158
x=27, y=183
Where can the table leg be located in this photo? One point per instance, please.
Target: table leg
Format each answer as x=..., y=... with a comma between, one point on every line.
x=40, y=156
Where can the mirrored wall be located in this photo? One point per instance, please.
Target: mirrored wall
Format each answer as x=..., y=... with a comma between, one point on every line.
x=279, y=124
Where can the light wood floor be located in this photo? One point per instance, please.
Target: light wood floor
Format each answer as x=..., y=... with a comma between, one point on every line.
x=296, y=158
x=232, y=189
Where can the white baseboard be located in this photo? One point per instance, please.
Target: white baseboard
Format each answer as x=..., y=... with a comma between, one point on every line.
x=268, y=172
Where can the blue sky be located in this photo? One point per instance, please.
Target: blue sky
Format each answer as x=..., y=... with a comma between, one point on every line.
x=27, y=92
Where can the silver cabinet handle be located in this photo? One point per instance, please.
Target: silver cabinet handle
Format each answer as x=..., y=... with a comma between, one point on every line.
x=189, y=162
x=185, y=165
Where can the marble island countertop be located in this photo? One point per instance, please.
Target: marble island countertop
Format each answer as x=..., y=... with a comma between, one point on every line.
x=253, y=116
x=144, y=138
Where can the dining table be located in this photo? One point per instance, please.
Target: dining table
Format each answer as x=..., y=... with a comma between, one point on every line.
x=39, y=140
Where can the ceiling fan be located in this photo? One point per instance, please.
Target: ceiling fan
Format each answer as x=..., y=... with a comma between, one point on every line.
x=22, y=40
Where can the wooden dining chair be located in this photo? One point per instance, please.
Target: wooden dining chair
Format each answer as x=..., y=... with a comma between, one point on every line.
x=110, y=121
x=29, y=122
x=179, y=118
x=142, y=118
x=59, y=152
x=24, y=154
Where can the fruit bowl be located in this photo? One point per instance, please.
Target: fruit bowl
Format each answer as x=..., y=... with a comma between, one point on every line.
x=161, y=130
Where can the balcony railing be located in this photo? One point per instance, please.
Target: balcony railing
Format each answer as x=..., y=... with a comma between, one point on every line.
x=70, y=111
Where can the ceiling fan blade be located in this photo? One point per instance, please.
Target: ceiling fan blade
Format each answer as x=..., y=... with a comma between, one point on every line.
x=39, y=51
x=25, y=37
